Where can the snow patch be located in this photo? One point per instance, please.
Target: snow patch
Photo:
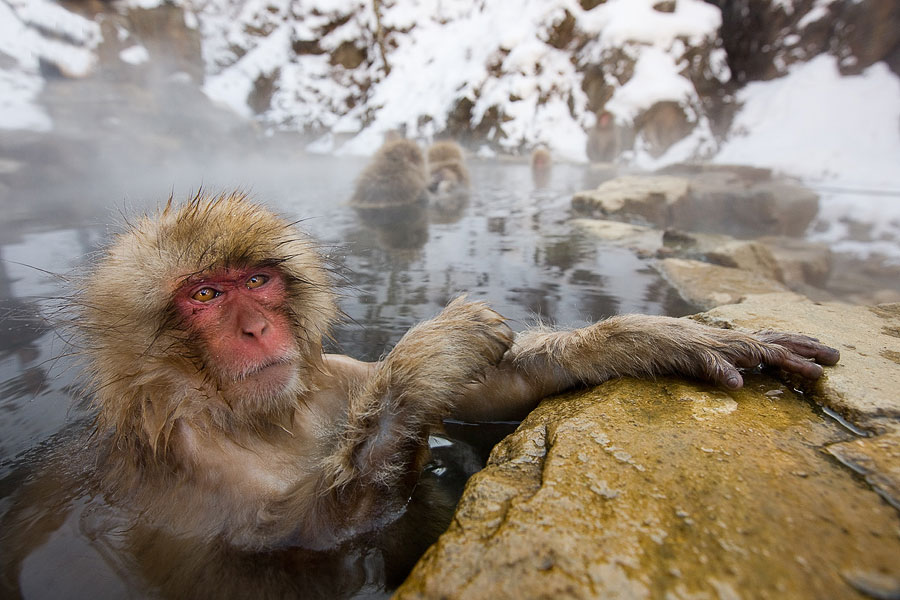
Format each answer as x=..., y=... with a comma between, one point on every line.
x=134, y=55
x=816, y=124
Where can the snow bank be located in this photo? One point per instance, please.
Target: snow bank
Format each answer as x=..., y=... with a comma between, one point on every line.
x=31, y=31
x=841, y=135
x=820, y=126
x=813, y=123
x=495, y=55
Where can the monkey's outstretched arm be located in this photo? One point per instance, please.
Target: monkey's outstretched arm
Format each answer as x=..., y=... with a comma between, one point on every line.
x=543, y=362
x=412, y=389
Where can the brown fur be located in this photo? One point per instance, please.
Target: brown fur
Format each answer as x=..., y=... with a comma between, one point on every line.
x=541, y=165
x=394, y=177
x=445, y=150
x=342, y=454
x=448, y=176
x=605, y=143
x=541, y=159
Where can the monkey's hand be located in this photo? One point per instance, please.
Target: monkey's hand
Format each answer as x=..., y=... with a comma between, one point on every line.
x=790, y=352
x=412, y=389
x=452, y=349
x=642, y=345
x=729, y=351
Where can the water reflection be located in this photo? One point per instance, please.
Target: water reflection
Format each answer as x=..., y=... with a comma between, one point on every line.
x=60, y=539
x=509, y=244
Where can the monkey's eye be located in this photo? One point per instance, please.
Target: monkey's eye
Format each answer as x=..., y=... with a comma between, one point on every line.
x=256, y=281
x=205, y=294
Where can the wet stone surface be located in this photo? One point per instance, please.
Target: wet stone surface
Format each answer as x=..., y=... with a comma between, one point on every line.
x=862, y=387
x=667, y=489
x=707, y=286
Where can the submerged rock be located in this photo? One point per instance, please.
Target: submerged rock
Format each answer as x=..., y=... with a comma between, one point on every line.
x=645, y=241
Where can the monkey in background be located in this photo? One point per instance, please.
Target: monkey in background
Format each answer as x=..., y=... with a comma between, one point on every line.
x=604, y=141
x=445, y=150
x=222, y=423
x=448, y=178
x=394, y=177
x=391, y=194
x=541, y=165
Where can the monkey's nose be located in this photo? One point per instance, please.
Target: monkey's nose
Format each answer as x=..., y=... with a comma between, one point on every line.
x=253, y=326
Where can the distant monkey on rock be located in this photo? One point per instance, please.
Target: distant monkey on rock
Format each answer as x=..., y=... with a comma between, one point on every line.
x=394, y=177
x=221, y=419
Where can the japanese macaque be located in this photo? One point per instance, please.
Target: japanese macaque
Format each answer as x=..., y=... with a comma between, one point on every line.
x=394, y=177
x=445, y=150
x=604, y=142
x=541, y=165
x=448, y=178
x=222, y=423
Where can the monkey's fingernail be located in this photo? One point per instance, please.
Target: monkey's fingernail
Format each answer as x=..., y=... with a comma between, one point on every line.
x=733, y=382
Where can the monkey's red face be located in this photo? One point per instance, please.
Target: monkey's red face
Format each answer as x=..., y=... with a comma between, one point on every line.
x=246, y=336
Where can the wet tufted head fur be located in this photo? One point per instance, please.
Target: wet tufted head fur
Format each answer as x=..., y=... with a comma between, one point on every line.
x=137, y=349
x=446, y=150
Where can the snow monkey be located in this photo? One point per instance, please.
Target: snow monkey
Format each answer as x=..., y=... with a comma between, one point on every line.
x=604, y=141
x=394, y=177
x=221, y=419
x=444, y=150
x=446, y=169
x=541, y=165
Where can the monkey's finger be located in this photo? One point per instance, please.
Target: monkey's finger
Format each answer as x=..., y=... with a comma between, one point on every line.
x=725, y=374
x=808, y=348
x=824, y=355
x=805, y=346
x=796, y=364
x=747, y=362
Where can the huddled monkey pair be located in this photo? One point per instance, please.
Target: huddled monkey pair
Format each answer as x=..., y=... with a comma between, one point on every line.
x=221, y=420
x=399, y=176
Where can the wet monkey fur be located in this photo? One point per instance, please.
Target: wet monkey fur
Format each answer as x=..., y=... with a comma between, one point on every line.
x=446, y=168
x=221, y=419
x=396, y=176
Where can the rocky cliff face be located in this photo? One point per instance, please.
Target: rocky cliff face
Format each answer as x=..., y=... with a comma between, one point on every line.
x=764, y=37
x=600, y=80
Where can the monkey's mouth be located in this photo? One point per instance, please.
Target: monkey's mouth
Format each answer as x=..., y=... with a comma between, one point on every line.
x=264, y=368
x=272, y=377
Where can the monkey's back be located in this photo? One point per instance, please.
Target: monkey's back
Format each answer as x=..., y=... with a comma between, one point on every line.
x=395, y=177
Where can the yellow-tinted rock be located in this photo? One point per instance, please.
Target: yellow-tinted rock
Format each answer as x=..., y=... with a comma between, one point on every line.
x=877, y=459
x=666, y=490
x=863, y=386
